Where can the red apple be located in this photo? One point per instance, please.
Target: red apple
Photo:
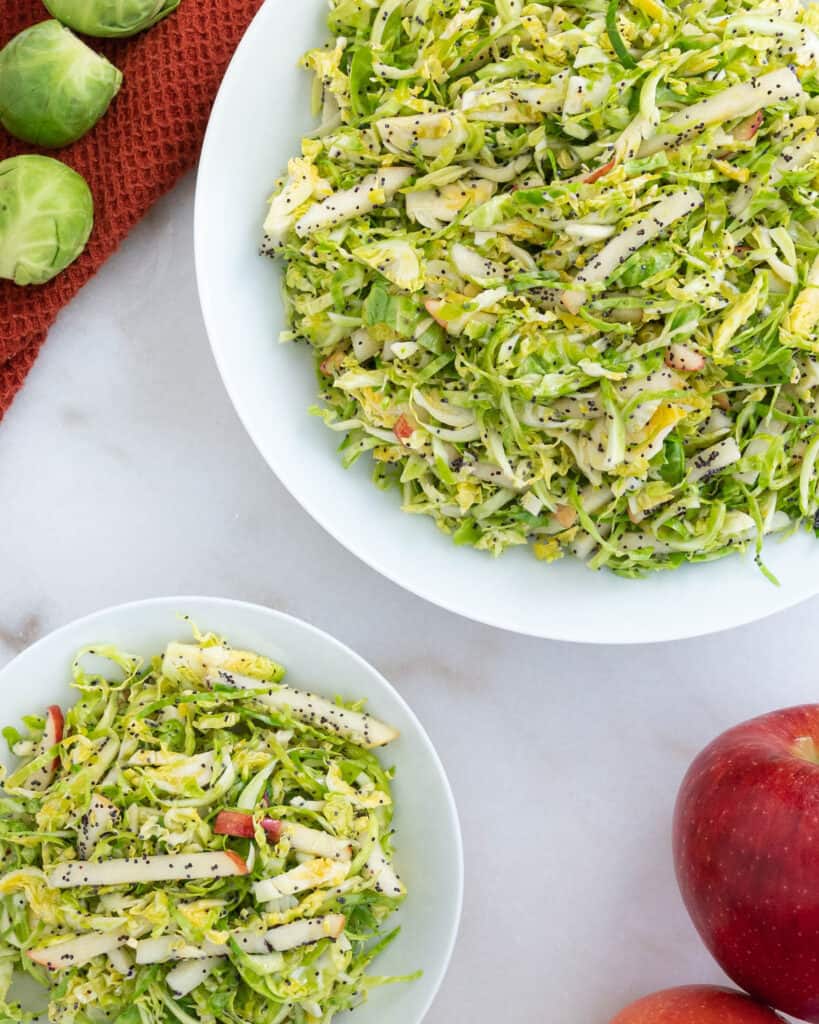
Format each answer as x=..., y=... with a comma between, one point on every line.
x=403, y=428
x=433, y=307
x=746, y=849
x=599, y=173
x=240, y=825
x=54, y=724
x=696, y=1004
x=52, y=735
x=273, y=829
x=748, y=128
x=234, y=823
x=53, y=731
x=684, y=358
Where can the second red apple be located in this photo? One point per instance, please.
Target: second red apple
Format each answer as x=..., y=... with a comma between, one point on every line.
x=696, y=1004
x=746, y=846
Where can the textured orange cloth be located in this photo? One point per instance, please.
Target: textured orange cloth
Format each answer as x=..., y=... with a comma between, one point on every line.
x=150, y=136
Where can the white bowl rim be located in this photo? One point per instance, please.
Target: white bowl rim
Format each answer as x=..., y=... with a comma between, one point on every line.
x=780, y=598
x=177, y=603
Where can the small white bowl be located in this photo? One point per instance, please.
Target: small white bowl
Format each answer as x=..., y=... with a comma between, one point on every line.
x=429, y=853
x=258, y=120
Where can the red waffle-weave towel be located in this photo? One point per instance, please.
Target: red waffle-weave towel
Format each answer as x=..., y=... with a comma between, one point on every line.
x=150, y=136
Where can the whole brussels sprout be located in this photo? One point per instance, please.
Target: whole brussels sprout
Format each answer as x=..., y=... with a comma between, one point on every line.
x=46, y=216
x=53, y=88
x=110, y=18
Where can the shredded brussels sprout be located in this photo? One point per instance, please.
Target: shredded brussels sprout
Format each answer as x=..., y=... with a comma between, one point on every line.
x=559, y=267
x=195, y=842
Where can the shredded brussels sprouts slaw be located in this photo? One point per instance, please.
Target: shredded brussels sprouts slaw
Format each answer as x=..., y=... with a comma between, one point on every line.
x=560, y=268
x=196, y=842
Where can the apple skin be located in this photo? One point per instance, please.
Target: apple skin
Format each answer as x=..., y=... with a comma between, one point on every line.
x=746, y=852
x=234, y=823
x=240, y=825
x=697, y=1004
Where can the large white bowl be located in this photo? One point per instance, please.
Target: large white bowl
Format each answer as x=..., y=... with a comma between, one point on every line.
x=260, y=116
x=429, y=854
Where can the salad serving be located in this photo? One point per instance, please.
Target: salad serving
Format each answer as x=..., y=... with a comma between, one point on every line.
x=196, y=842
x=559, y=265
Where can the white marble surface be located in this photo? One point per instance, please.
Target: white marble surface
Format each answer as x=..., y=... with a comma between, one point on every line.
x=124, y=473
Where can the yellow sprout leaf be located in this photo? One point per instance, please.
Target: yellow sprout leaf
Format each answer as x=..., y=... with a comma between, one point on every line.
x=432, y=69
x=387, y=454
x=741, y=174
x=55, y=812
x=802, y=318
x=536, y=31
x=804, y=313
x=467, y=495
x=39, y=897
x=156, y=911
x=735, y=317
x=373, y=404
x=547, y=551
x=80, y=747
x=666, y=415
x=653, y=8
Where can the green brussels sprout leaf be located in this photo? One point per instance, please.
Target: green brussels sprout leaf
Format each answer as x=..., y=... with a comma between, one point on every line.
x=53, y=88
x=110, y=18
x=673, y=466
x=46, y=216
